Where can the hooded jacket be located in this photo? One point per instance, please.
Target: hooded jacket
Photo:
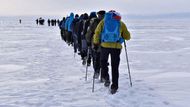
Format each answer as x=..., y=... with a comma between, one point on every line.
x=71, y=18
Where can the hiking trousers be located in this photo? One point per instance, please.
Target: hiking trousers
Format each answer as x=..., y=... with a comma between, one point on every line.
x=115, y=60
x=96, y=61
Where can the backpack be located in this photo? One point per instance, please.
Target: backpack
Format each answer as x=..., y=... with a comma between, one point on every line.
x=111, y=29
x=94, y=24
x=85, y=27
x=74, y=26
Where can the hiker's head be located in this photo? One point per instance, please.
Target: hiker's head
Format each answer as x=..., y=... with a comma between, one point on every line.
x=76, y=16
x=92, y=15
x=85, y=16
x=71, y=15
x=101, y=14
x=81, y=17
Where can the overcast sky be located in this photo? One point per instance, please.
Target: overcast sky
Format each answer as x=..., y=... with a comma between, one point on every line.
x=64, y=7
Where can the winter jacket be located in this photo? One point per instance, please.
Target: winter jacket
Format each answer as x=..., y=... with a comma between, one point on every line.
x=91, y=29
x=71, y=18
x=66, y=23
x=73, y=26
x=123, y=32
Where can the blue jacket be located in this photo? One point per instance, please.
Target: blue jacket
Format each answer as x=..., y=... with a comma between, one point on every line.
x=71, y=18
x=66, y=23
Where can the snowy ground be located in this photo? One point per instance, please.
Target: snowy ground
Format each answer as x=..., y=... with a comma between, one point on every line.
x=37, y=69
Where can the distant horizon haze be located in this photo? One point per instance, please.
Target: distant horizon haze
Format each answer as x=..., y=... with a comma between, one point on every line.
x=64, y=7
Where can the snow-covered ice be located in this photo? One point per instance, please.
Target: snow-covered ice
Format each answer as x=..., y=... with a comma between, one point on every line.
x=37, y=69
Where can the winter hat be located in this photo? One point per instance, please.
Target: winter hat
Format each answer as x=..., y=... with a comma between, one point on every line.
x=76, y=15
x=92, y=15
x=72, y=14
x=81, y=17
x=101, y=12
x=85, y=16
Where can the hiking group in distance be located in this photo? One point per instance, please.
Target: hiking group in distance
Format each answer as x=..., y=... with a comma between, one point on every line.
x=51, y=22
x=94, y=37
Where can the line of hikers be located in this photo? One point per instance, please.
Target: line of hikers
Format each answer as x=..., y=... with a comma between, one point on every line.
x=95, y=37
x=51, y=22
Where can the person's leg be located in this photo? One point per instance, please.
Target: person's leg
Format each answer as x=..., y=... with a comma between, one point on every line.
x=67, y=37
x=104, y=65
x=64, y=35
x=79, y=44
x=96, y=63
x=115, y=60
x=89, y=56
x=70, y=37
x=75, y=43
x=84, y=50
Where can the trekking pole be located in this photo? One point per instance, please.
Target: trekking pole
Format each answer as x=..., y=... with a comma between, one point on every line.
x=74, y=54
x=128, y=64
x=88, y=52
x=94, y=62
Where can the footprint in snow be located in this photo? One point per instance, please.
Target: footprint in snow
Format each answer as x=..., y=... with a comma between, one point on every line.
x=138, y=80
x=166, y=103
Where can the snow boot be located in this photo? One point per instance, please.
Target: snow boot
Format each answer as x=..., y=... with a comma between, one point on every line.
x=113, y=91
x=96, y=75
x=107, y=83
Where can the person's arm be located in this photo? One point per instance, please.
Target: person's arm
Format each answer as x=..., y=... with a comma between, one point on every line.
x=124, y=32
x=96, y=37
x=88, y=35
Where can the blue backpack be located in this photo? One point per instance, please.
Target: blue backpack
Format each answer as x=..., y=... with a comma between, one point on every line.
x=111, y=29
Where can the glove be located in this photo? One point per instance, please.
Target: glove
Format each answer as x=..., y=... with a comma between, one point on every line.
x=95, y=47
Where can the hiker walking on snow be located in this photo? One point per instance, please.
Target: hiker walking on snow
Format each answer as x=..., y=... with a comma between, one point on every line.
x=84, y=47
x=110, y=34
x=74, y=32
x=62, y=28
x=89, y=37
